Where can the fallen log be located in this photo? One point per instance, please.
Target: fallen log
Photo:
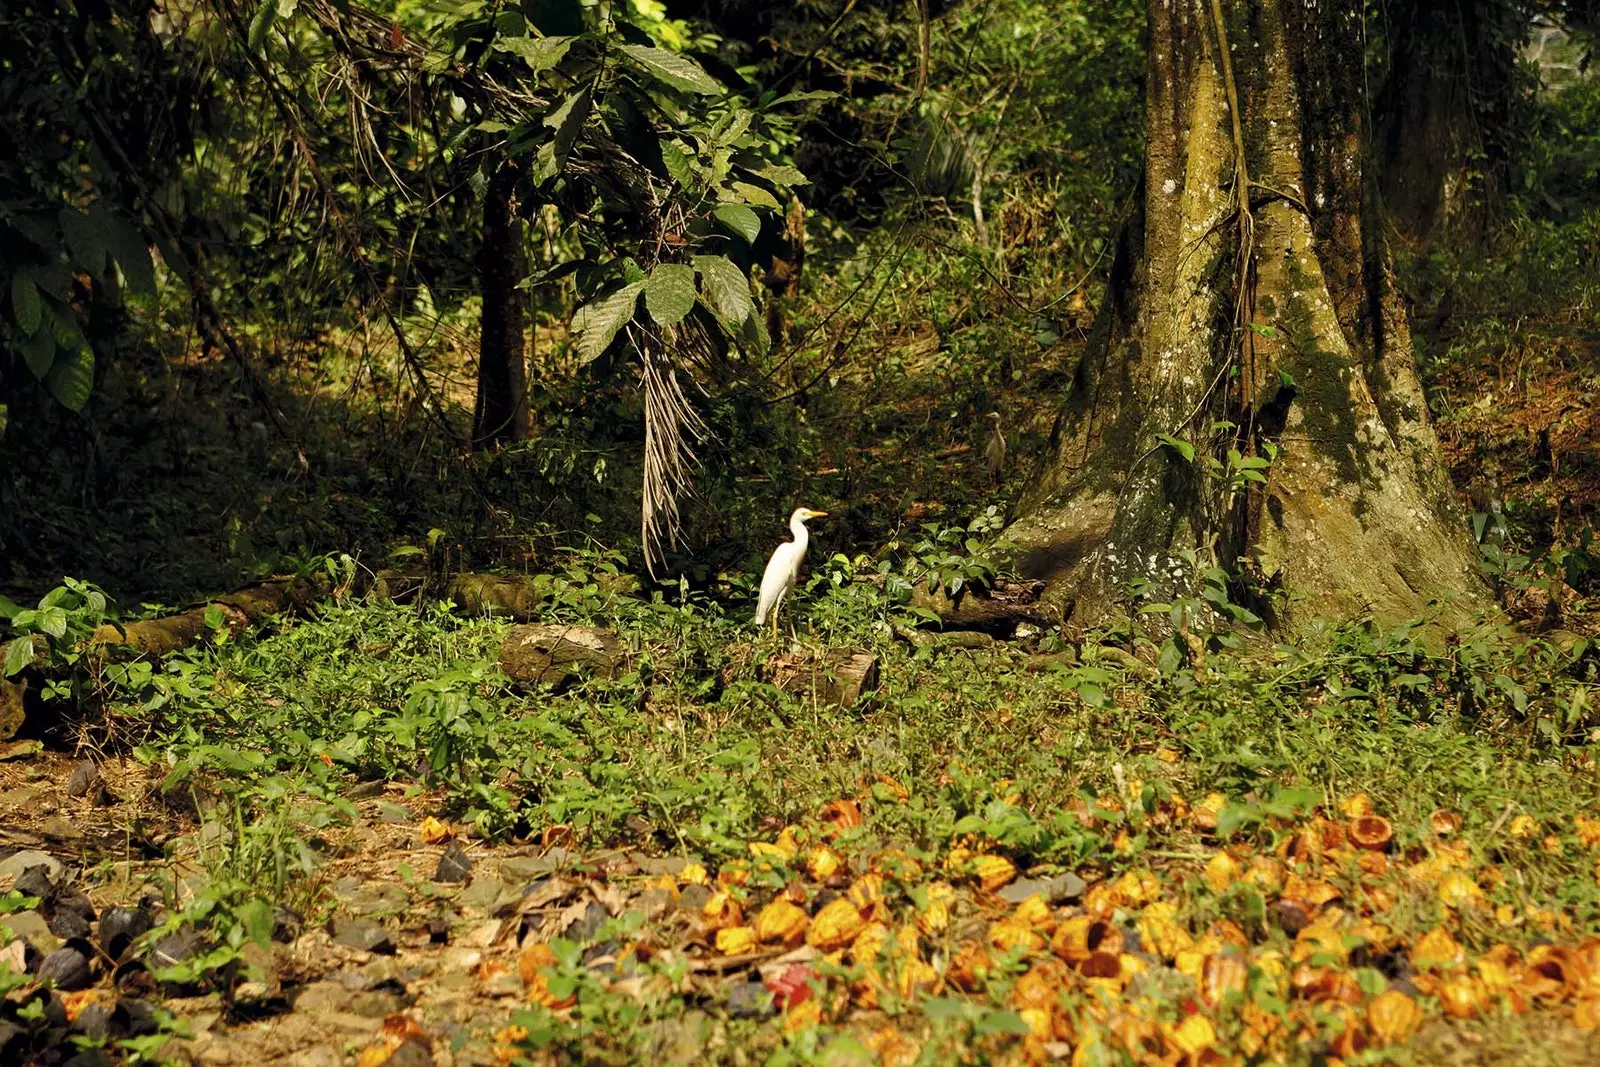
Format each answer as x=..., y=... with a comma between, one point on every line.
x=838, y=678
x=237, y=610
x=555, y=653
x=999, y=611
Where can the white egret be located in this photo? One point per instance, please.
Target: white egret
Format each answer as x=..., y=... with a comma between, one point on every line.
x=783, y=569
x=994, y=450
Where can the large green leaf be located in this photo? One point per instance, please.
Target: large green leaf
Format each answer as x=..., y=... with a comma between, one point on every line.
x=39, y=347
x=740, y=219
x=775, y=172
x=598, y=321
x=754, y=194
x=71, y=377
x=669, y=295
x=678, y=164
x=540, y=53
x=567, y=120
x=84, y=241
x=127, y=246
x=677, y=71
x=25, y=306
x=727, y=290
x=261, y=24
x=19, y=653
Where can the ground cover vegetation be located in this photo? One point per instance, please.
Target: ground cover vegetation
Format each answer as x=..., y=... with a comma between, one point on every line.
x=399, y=402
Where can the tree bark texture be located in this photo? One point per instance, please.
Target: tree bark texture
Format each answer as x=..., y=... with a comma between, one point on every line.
x=1444, y=114
x=501, y=413
x=1250, y=304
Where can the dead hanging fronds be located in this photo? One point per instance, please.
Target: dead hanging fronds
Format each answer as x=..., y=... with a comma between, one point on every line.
x=671, y=428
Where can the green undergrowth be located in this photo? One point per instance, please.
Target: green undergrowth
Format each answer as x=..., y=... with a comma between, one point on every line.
x=686, y=751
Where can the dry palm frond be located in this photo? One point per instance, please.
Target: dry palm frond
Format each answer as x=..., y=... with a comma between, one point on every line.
x=671, y=425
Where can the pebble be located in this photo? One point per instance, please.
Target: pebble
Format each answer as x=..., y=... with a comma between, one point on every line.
x=13, y=866
x=362, y=934
x=454, y=865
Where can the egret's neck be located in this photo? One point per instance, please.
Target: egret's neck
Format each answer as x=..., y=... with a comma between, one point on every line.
x=797, y=526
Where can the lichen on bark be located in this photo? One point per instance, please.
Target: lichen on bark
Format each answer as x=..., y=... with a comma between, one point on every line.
x=1277, y=322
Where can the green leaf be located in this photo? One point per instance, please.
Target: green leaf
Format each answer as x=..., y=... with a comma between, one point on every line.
x=19, y=654
x=598, y=321
x=127, y=246
x=740, y=219
x=669, y=295
x=25, y=302
x=540, y=53
x=261, y=24
x=71, y=377
x=678, y=163
x=1000, y=1022
x=1178, y=445
x=754, y=194
x=39, y=348
x=783, y=175
x=8, y=607
x=567, y=120
x=83, y=241
x=727, y=290
x=677, y=71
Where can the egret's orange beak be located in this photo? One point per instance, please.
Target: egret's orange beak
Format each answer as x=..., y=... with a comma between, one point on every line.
x=819, y=514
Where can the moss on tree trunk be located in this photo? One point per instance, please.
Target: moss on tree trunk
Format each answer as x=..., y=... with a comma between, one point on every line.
x=1251, y=310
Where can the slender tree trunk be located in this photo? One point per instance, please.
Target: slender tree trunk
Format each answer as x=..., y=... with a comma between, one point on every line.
x=1250, y=310
x=501, y=413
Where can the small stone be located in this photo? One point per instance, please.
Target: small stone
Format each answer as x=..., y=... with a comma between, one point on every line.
x=95, y=1022
x=19, y=957
x=362, y=934
x=693, y=898
x=22, y=798
x=176, y=947
x=17, y=863
x=751, y=1000
x=120, y=927
x=60, y=828
x=439, y=931
x=655, y=903
x=481, y=896
x=1055, y=889
x=30, y=927
x=589, y=924
x=70, y=923
x=521, y=869
x=393, y=814
x=375, y=1003
x=455, y=865
x=66, y=968
x=1292, y=916
x=85, y=780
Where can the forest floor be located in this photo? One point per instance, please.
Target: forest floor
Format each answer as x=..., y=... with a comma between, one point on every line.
x=348, y=837
x=1358, y=849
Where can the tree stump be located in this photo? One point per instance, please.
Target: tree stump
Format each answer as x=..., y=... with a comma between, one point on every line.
x=838, y=678
x=550, y=652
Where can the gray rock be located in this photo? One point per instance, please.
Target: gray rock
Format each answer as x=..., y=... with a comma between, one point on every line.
x=1058, y=888
x=66, y=968
x=393, y=814
x=13, y=866
x=751, y=1000
x=455, y=865
x=529, y=868
x=31, y=927
x=85, y=780
x=693, y=898
x=362, y=934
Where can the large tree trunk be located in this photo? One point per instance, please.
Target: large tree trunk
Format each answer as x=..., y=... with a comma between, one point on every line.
x=1444, y=114
x=501, y=413
x=1279, y=319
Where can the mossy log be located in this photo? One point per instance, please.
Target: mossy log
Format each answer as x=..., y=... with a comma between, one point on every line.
x=554, y=653
x=238, y=610
x=998, y=612
x=838, y=677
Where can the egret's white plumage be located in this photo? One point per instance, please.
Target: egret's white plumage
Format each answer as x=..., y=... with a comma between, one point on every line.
x=994, y=450
x=783, y=569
